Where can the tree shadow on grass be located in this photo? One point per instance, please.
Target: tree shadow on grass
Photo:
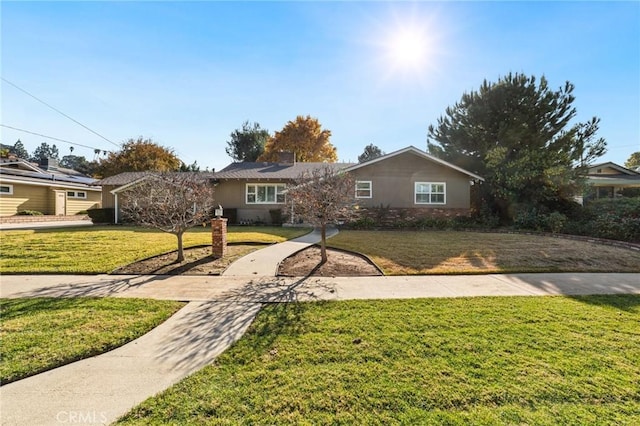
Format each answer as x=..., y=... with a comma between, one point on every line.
x=208, y=328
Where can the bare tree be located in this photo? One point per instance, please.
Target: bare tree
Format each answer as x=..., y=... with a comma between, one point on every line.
x=171, y=202
x=322, y=197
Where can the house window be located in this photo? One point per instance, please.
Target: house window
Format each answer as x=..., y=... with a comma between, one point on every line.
x=363, y=189
x=6, y=189
x=76, y=194
x=265, y=193
x=430, y=193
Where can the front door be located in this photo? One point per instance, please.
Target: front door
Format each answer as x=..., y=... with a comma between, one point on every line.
x=61, y=203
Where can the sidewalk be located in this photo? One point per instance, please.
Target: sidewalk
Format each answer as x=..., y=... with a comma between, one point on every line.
x=45, y=225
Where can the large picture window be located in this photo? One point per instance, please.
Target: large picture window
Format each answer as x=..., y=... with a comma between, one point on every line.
x=430, y=193
x=258, y=193
x=363, y=189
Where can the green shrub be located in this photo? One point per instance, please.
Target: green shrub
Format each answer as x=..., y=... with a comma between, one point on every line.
x=81, y=212
x=556, y=222
x=107, y=215
x=362, y=223
x=29, y=213
x=616, y=219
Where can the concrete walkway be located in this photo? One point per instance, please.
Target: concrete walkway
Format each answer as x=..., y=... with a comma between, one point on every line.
x=44, y=225
x=98, y=390
x=264, y=263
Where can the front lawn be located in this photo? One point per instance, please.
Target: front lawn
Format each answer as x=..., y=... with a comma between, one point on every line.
x=443, y=252
x=39, y=334
x=510, y=360
x=102, y=249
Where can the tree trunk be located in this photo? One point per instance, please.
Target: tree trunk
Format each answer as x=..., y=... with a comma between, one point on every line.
x=323, y=243
x=180, y=248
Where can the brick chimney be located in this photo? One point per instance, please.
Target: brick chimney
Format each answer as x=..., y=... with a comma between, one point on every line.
x=286, y=158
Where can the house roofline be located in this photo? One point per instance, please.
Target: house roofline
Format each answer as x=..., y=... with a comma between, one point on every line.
x=613, y=165
x=50, y=183
x=418, y=152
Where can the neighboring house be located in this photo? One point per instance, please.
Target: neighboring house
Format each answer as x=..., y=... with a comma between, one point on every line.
x=114, y=187
x=408, y=183
x=608, y=179
x=47, y=188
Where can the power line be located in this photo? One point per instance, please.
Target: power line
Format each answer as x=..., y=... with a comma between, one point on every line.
x=51, y=137
x=58, y=111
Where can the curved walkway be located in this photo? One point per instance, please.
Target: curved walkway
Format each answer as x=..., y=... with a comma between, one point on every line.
x=98, y=390
x=264, y=262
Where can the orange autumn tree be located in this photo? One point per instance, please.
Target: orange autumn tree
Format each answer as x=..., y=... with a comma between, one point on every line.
x=304, y=137
x=139, y=155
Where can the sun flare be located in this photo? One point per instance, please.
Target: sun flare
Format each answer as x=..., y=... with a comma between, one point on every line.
x=408, y=48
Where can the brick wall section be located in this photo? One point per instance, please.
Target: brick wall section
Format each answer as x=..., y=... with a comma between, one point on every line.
x=43, y=218
x=387, y=217
x=218, y=237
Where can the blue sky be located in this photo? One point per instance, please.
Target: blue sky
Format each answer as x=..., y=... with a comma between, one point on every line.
x=188, y=74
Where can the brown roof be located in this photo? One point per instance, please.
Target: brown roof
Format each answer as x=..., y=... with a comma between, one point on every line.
x=249, y=170
x=128, y=177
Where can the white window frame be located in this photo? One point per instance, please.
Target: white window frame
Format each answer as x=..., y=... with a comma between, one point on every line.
x=76, y=194
x=10, y=192
x=431, y=193
x=370, y=188
x=279, y=191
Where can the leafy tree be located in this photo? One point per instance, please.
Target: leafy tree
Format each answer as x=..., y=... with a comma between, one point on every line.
x=515, y=133
x=170, y=202
x=305, y=138
x=247, y=143
x=633, y=161
x=193, y=167
x=19, y=150
x=322, y=197
x=79, y=164
x=370, y=152
x=45, y=151
x=139, y=155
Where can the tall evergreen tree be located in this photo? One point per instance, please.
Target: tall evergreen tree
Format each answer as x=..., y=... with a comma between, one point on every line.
x=370, y=152
x=247, y=143
x=45, y=151
x=19, y=150
x=516, y=134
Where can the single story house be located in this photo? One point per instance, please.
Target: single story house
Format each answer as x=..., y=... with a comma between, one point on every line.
x=408, y=182
x=608, y=179
x=46, y=187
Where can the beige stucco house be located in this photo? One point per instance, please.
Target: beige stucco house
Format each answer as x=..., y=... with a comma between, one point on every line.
x=46, y=188
x=408, y=179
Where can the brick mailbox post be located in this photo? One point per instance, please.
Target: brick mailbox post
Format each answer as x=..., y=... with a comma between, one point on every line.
x=219, y=235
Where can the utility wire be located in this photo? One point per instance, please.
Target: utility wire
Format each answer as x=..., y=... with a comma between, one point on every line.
x=58, y=111
x=51, y=137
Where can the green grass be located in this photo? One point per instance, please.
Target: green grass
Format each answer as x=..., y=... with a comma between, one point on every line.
x=102, y=249
x=442, y=252
x=39, y=334
x=478, y=361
